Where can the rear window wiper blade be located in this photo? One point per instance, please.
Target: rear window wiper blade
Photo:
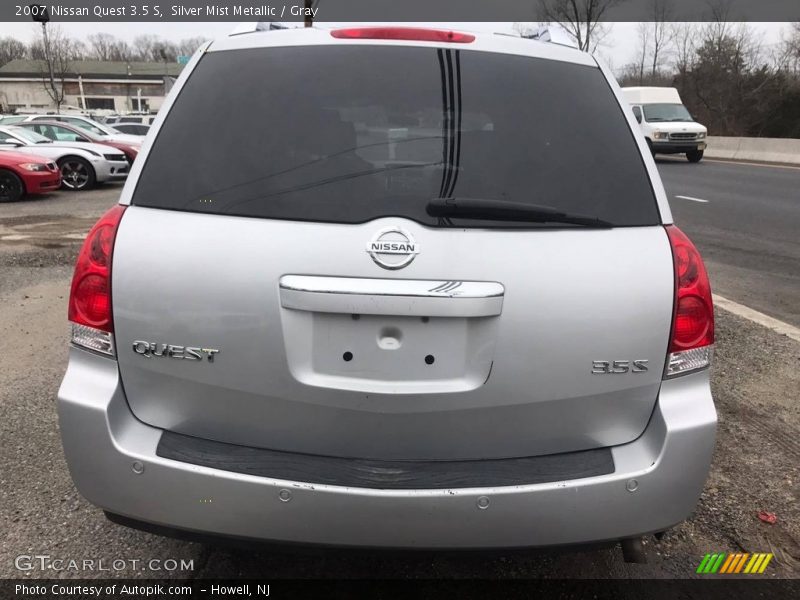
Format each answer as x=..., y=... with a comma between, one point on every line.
x=501, y=210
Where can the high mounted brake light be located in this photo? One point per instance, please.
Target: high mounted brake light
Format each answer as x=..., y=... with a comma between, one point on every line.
x=403, y=33
x=90, y=294
x=692, y=340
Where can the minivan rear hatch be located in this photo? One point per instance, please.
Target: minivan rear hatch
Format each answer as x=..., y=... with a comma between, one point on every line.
x=281, y=282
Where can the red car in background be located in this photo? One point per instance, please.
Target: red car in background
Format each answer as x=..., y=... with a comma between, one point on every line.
x=66, y=132
x=22, y=174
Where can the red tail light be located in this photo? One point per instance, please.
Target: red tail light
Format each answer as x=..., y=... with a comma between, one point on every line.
x=403, y=33
x=693, y=319
x=90, y=295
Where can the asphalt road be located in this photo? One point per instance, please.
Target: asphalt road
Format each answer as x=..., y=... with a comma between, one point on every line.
x=752, y=256
x=748, y=231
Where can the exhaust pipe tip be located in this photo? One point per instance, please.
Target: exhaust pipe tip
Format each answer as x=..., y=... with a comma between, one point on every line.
x=633, y=551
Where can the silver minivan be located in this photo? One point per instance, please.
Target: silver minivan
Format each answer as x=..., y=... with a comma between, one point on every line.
x=419, y=289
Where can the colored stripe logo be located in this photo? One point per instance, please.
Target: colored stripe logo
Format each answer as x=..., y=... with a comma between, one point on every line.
x=737, y=562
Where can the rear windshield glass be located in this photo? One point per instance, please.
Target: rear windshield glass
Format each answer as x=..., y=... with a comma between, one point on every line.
x=352, y=133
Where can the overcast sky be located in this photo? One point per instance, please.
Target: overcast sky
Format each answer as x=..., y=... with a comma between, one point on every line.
x=619, y=47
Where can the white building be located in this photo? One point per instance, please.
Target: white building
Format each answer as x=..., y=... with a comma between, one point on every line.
x=89, y=84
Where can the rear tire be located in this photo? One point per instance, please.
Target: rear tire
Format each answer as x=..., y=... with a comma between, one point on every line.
x=694, y=156
x=76, y=174
x=11, y=186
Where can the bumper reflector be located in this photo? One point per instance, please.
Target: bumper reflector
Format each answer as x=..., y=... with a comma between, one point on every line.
x=93, y=339
x=687, y=361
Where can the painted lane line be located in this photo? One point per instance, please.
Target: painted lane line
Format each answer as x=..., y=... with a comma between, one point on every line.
x=751, y=164
x=693, y=199
x=727, y=161
x=757, y=317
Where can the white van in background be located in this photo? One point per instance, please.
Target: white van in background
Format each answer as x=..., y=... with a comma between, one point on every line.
x=665, y=122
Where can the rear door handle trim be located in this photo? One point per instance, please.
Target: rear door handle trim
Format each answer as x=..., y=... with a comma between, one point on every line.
x=418, y=297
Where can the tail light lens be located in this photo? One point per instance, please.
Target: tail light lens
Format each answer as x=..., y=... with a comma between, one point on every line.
x=403, y=33
x=692, y=341
x=90, y=295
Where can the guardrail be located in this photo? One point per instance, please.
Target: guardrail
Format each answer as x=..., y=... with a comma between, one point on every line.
x=769, y=150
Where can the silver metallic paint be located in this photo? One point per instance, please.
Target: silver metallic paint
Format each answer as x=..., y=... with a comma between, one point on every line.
x=571, y=296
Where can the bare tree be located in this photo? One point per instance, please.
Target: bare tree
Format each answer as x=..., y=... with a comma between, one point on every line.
x=167, y=51
x=72, y=49
x=727, y=75
x=106, y=47
x=100, y=45
x=77, y=50
x=57, y=51
x=151, y=48
x=188, y=46
x=662, y=32
x=581, y=19
x=643, y=30
x=788, y=53
x=655, y=40
x=145, y=47
x=11, y=49
x=684, y=36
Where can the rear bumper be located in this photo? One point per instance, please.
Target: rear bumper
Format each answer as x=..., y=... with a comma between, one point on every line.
x=105, y=444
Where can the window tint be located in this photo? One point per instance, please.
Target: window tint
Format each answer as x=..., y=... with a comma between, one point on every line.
x=63, y=134
x=82, y=124
x=352, y=133
x=666, y=112
x=26, y=134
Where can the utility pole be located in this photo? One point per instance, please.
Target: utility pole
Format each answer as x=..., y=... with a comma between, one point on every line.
x=40, y=15
x=163, y=54
x=308, y=19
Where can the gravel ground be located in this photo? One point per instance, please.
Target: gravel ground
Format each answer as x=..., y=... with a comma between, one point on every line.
x=755, y=468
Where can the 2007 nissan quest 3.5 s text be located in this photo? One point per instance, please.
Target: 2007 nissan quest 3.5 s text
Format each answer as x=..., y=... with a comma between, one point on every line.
x=420, y=289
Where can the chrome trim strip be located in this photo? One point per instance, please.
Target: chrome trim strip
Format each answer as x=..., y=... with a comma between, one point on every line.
x=392, y=287
x=392, y=296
